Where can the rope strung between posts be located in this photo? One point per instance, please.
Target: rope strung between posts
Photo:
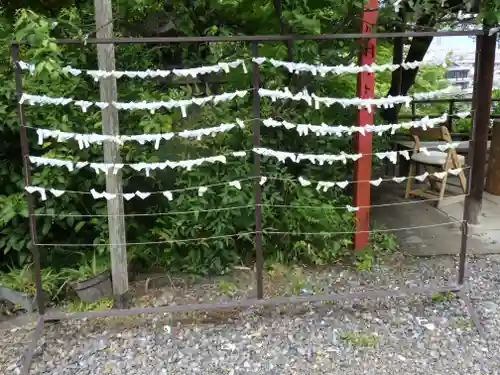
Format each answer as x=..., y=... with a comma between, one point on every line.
x=243, y=234
x=86, y=140
x=226, y=67
x=321, y=186
x=231, y=208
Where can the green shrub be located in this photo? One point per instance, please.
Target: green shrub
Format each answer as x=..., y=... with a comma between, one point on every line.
x=65, y=219
x=23, y=280
x=88, y=268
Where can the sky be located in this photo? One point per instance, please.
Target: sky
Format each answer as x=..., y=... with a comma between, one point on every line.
x=457, y=44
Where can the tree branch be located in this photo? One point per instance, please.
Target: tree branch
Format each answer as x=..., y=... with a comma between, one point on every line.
x=417, y=51
x=284, y=28
x=403, y=80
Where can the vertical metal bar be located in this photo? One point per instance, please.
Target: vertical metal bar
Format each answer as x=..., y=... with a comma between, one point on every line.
x=472, y=313
x=363, y=143
x=477, y=58
x=289, y=49
x=256, y=157
x=476, y=155
x=463, y=252
x=398, y=56
x=413, y=110
x=483, y=88
x=27, y=179
x=470, y=155
x=451, y=109
x=397, y=78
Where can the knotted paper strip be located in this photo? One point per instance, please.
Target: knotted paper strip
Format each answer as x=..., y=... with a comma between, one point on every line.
x=323, y=70
x=108, y=168
x=149, y=73
x=85, y=140
x=341, y=130
x=323, y=186
x=183, y=104
x=387, y=102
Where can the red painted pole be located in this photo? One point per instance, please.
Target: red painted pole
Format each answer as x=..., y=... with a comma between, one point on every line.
x=363, y=143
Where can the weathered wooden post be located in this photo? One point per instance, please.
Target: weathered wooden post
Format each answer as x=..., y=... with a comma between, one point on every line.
x=110, y=126
x=493, y=173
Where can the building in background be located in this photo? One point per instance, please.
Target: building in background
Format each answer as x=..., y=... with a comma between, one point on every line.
x=459, y=52
x=460, y=71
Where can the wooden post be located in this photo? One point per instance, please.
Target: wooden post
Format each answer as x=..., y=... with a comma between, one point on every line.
x=483, y=87
x=363, y=143
x=110, y=126
x=493, y=173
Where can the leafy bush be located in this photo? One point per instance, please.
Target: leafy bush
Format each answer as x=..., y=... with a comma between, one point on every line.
x=87, y=268
x=204, y=256
x=23, y=280
x=65, y=219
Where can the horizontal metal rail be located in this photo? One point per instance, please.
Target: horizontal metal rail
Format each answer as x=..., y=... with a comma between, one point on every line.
x=455, y=100
x=265, y=38
x=252, y=302
x=417, y=116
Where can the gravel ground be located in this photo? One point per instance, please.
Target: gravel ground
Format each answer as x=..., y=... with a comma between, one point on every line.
x=416, y=335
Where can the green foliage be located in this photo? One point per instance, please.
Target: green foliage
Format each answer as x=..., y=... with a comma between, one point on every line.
x=227, y=287
x=293, y=277
x=23, y=280
x=463, y=323
x=489, y=13
x=360, y=339
x=462, y=125
x=364, y=258
x=101, y=305
x=298, y=280
x=204, y=256
x=443, y=297
x=383, y=241
x=13, y=214
x=495, y=107
x=87, y=268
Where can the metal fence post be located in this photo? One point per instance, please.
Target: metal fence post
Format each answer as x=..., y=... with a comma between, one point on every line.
x=481, y=107
x=259, y=256
x=27, y=179
x=451, y=109
x=483, y=87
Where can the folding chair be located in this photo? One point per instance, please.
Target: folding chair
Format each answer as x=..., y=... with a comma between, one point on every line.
x=434, y=161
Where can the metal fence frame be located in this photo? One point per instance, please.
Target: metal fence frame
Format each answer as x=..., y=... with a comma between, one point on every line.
x=458, y=288
x=450, y=112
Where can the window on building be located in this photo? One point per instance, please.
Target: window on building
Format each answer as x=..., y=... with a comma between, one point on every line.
x=456, y=74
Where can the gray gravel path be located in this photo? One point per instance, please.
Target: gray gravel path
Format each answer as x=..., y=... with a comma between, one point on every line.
x=387, y=336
